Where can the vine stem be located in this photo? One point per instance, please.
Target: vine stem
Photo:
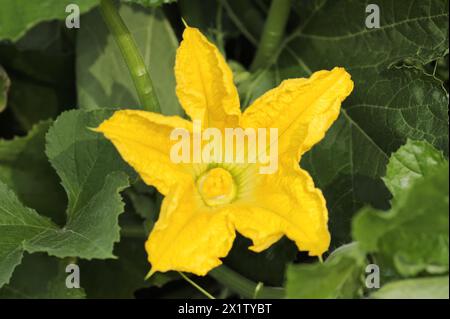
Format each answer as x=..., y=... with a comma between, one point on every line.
x=198, y=287
x=131, y=55
x=273, y=33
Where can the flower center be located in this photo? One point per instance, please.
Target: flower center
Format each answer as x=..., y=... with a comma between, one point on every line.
x=217, y=187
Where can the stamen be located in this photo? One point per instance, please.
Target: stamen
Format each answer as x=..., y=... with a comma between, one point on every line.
x=217, y=187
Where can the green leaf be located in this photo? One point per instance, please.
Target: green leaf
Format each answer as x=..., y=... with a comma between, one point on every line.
x=103, y=80
x=389, y=104
x=19, y=225
x=92, y=174
x=340, y=276
x=247, y=18
x=420, y=288
x=40, y=277
x=216, y=25
x=4, y=88
x=413, y=161
x=150, y=3
x=25, y=169
x=41, y=72
x=17, y=17
x=413, y=235
x=31, y=103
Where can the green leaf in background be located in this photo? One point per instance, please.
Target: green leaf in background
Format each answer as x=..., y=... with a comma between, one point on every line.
x=40, y=65
x=150, y=3
x=340, y=276
x=217, y=26
x=388, y=105
x=102, y=77
x=18, y=16
x=413, y=161
x=420, y=288
x=4, y=88
x=41, y=277
x=92, y=174
x=31, y=103
x=413, y=235
x=246, y=16
x=26, y=170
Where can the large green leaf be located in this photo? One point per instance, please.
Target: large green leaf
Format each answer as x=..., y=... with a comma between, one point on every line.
x=26, y=170
x=390, y=102
x=340, y=276
x=4, y=88
x=18, y=16
x=420, y=288
x=413, y=236
x=103, y=80
x=92, y=174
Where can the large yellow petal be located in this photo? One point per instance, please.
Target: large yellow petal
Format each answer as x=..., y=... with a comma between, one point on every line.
x=205, y=85
x=284, y=203
x=301, y=109
x=189, y=236
x=143, y=140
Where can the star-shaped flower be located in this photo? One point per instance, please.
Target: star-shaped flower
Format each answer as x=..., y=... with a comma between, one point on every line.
x=205, y=204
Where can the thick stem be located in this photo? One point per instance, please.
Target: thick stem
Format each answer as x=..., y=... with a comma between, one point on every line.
x=243, y=286
x=131, y=55
x=273, y=33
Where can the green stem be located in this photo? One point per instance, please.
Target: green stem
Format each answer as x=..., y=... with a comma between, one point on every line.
x=243, y=286
x=273, y=33
x=131, y=55
x=193, y=283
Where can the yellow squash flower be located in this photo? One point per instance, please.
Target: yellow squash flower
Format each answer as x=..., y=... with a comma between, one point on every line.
x=206, y=204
